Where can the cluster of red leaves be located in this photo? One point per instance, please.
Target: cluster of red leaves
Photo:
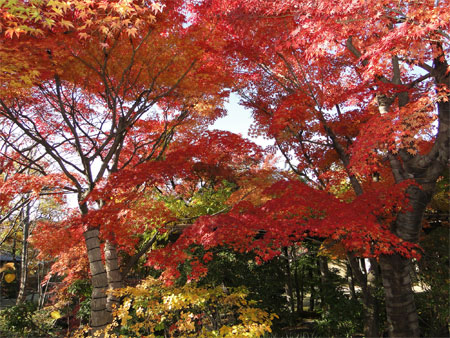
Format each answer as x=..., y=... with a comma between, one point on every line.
x=218, y=155
x=294, y=212
x=32, y=185
x=297, y=66
x=406, y=128
x=64, y=241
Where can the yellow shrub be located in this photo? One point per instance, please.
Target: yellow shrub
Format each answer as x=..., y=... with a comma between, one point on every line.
x=151, y=309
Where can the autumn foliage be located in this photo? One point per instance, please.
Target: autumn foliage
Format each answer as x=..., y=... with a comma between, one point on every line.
x=111, y=102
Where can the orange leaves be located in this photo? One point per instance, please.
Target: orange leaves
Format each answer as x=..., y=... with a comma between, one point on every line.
x=109, y=16
x=132, y=32
x=54, y=238
x=10, y=32
x=66, y=24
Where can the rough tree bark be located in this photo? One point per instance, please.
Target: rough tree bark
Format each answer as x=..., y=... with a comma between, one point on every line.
x=289, y=288
x=100, y=316
x=114, y=277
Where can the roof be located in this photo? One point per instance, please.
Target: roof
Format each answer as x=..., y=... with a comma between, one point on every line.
x=7, y=257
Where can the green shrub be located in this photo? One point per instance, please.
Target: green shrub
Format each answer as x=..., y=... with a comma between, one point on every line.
x=25, y=320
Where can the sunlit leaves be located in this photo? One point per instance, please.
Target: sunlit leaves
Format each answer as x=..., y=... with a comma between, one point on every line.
x=10, y=277
x=55, y=314
x=189, y=310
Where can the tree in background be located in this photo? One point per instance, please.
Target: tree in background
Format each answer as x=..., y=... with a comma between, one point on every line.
x=26, y=196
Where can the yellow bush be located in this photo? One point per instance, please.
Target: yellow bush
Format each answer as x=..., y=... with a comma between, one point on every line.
x=187, y=311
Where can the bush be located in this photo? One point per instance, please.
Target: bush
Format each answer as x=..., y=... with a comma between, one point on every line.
x=152, y=308
x=25, y=320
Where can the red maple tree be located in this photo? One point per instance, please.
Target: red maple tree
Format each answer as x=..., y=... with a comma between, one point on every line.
x=101, y=86
x=355, y=91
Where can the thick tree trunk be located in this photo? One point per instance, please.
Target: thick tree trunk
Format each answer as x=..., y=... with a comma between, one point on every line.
x=402, y=317
x=100, y=316
x=425, y=170
x=113, y=274
x=401, y=311
x=400, y=307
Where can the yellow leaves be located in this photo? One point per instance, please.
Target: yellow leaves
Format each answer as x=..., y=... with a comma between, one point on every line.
x=59, y=7
x=55, y=314
x=123, y=311
x=25, y=17
x=104, y=30
x=157, y=7
x=7, y=266
x=186, y=322
x=107, y=16
x=186, y=310
x=123, y=7
x=10, y=32
x=140, y=312
x=83, y=36
x=48, y=23
x=10, y=277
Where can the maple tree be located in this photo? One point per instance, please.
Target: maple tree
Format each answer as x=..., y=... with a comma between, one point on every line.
x=103, y=85
x=350, y=91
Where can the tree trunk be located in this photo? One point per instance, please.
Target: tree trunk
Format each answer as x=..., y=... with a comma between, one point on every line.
x=289, y=292
x=366, y=280
x=100, y=316
x=113, y=274
x=371, y=323
x=297, y=290
x=312, y=294
x=401, y=312
x=425, y=170
x=24, y=260
x=351, y=282
x=400, y=307
x=322, y=267
x=402, y=317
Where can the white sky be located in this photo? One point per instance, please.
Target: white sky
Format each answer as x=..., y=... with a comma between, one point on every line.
x=238, y=120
